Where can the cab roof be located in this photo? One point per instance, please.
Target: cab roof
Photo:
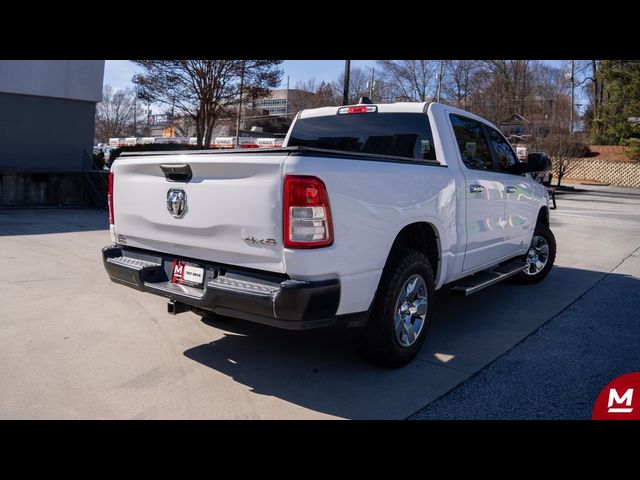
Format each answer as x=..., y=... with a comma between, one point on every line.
x=398, y=107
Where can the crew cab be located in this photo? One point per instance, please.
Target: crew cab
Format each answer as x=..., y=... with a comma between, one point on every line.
x=359, y=218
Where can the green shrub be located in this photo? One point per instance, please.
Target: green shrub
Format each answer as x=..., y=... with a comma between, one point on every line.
x=601, y=139
x=633, y=147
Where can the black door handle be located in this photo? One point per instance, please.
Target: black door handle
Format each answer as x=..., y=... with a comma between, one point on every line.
x=179, y=172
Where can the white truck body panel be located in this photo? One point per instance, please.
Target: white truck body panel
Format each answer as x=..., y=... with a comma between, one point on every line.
x=229, y=198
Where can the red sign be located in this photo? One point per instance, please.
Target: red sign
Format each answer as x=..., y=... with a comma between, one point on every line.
x=178, y=272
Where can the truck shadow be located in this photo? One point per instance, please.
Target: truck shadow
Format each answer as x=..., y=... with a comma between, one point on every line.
x=319, y=370
x=35, y=221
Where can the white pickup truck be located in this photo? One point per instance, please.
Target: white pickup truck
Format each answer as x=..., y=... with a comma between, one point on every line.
x=359, y=218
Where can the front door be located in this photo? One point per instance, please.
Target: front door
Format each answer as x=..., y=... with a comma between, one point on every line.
x=484, y=193
x=521, y=207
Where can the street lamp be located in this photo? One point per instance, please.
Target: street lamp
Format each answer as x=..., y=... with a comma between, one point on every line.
x=571, y=77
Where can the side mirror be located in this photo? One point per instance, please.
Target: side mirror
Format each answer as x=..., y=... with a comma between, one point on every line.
x=537, y=162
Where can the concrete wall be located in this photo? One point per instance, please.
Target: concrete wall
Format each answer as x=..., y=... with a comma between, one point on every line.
x=39, y=189
x=47, y=117
x=44, y=134
x=72, y=79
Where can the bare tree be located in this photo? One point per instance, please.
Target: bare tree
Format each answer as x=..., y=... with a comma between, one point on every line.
x=414, y=80
x=310, y=94
x=326, y=95
x=309, y=85
x=115, y=113
x=330, y=93
x=205, y=90
x=592, y=84
x=549, y=105
x=185, y=126
x=458, y=81
x=358, y=79
x=565, y=151
x=507, y=87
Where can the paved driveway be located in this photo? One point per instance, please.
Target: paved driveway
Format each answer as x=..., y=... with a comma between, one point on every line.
x=74, y=345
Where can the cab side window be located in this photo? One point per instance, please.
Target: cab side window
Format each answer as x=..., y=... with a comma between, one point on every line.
x=506, y=159
x=472, y=143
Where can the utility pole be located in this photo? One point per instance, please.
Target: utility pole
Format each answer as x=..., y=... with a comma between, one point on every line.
x=136, y=96
x=439, y=81
x=135, y=116
x=347, y=72
x=286, y=102
x=173, y=109
x=372, y=83
x=239, y=106
x=572, y=88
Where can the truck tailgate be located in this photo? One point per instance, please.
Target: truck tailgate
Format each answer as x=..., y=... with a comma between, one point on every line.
x=233, y=207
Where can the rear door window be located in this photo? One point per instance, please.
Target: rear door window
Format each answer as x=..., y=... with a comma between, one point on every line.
x=406, y=135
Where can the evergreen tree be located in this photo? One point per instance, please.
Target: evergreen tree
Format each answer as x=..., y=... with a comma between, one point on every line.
x=621, y=99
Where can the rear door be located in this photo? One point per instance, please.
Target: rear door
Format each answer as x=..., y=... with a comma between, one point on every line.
x=229, y=211
x=484, y=194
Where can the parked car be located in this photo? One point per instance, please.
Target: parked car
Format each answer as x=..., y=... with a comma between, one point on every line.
x=363, y=214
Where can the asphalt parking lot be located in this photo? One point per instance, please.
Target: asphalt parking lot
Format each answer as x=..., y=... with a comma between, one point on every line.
x=75, y=345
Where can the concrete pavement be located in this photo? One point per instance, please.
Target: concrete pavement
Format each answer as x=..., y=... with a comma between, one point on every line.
x=74, y=345
x=558, y=372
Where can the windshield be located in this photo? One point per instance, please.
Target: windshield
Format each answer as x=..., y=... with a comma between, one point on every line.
x=405, y=135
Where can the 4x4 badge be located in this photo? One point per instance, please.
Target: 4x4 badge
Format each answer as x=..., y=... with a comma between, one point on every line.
x=261, y=241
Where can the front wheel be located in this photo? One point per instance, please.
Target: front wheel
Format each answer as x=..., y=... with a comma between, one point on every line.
x=540, y=257
x=401, y=311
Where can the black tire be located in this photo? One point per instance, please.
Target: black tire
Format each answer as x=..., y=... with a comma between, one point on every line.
x=534, y=277
x=377, y=341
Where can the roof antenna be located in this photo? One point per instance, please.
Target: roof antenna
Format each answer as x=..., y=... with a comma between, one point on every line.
x=365, y=100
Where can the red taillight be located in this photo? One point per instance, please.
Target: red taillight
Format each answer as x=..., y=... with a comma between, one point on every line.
x=358, y=109
x=307, y=215
x=110, y=199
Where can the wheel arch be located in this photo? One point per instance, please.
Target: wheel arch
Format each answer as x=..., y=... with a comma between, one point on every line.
x=422, y=237
x=543, y=216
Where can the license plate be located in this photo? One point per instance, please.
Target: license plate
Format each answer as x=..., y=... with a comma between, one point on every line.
x=188, y=274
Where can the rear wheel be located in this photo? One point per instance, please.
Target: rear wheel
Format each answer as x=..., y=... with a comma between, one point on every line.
x=540, y=257
x=401, y=312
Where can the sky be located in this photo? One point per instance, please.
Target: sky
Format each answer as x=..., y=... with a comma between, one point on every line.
x=118, y=73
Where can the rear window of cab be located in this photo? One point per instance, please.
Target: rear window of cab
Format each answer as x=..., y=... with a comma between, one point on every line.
x=405, y=135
